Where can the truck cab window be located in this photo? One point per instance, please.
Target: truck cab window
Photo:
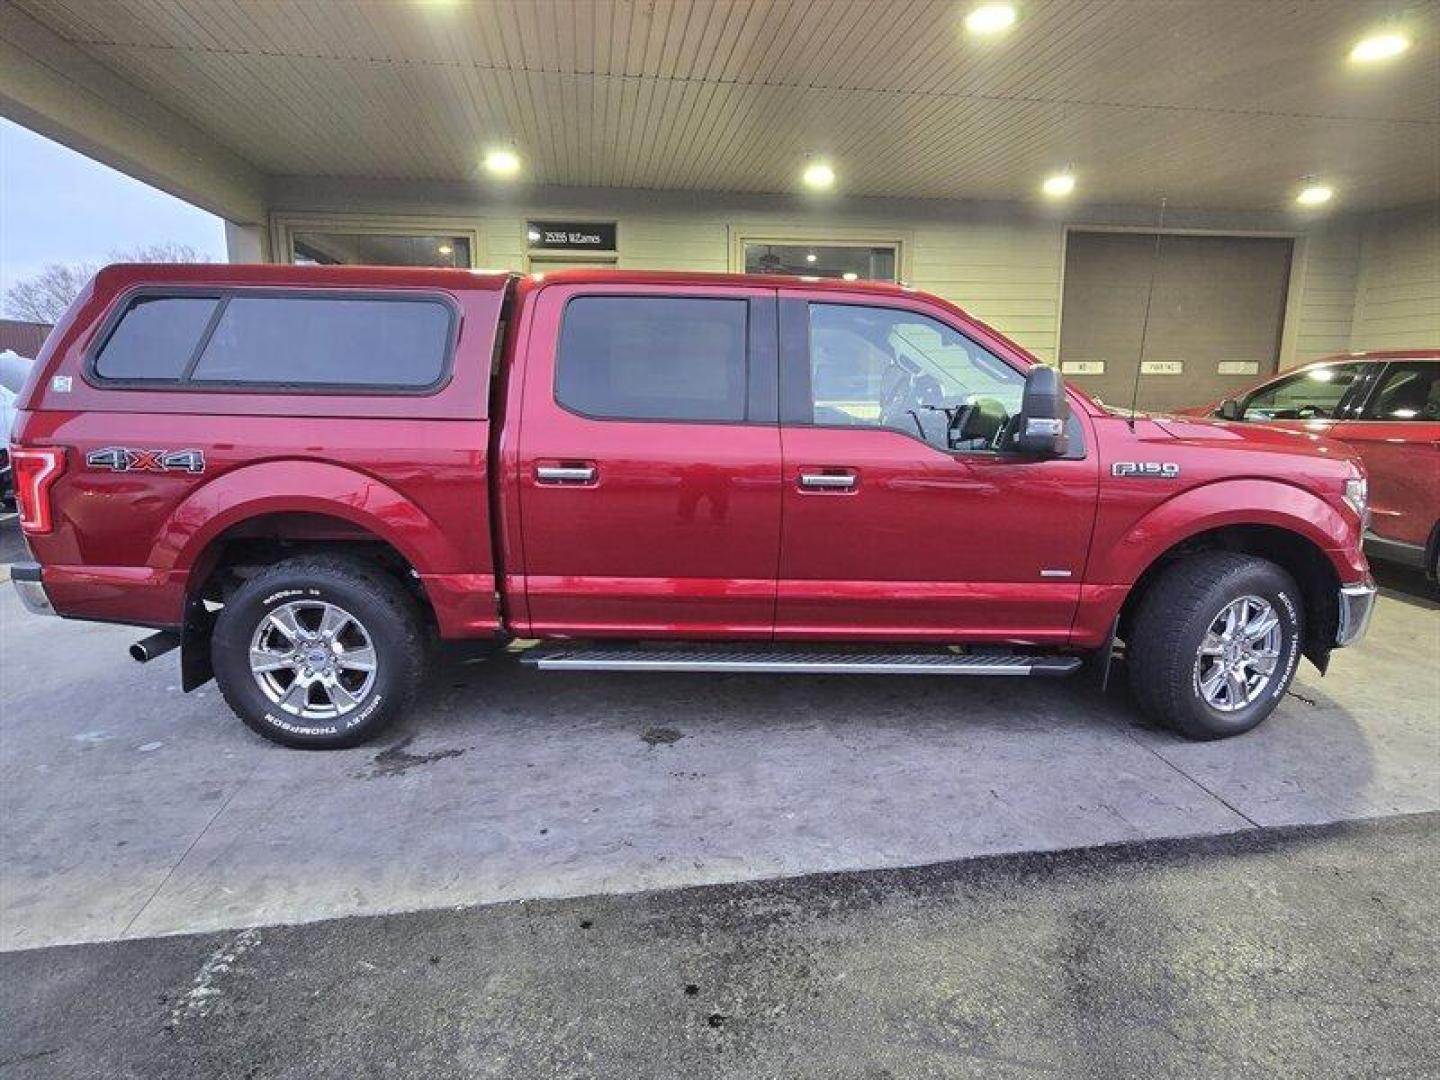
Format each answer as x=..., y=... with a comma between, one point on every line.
x=892, y=368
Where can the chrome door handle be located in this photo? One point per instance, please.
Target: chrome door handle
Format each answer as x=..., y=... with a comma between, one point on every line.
x=565, y=474
x=827, y=481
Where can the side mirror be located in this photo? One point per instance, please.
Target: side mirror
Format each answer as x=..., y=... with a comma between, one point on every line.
x=1229, y=409
x=1043, y=412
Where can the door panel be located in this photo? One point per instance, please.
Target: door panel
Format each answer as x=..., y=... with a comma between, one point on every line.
x=636, y=527
x=927, y=545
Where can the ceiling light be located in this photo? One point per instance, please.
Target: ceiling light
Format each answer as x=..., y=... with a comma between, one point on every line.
x=850, y=275
x=811, y=257
x=445, y=249
x=1379, y=47
x=502, y=162
x=818, y=175
x=990, y=19
x=1314, y=195
x=1059, y=185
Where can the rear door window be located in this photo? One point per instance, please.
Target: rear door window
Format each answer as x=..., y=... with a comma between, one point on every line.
x=155, y=338
x=653, y=358
x=1407, y=392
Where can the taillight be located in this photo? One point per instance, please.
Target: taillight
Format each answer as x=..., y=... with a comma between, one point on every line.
x=34, y=470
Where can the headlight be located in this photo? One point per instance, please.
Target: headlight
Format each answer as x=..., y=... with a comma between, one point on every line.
x=1357, y=494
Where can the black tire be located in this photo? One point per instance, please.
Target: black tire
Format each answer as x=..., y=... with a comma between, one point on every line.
x=1176, y=612
x=386, y=616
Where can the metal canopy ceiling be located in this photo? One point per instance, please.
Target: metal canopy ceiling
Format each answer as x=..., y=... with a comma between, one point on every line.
x=1217, y=104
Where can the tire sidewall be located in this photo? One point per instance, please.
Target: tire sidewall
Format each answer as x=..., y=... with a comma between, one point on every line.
x=1279, y=591
x=230, y=657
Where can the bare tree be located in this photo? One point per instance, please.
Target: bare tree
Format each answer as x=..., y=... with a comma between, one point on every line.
x=44, y=297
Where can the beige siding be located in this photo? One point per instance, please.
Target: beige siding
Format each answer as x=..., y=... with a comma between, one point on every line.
x=1359, y=282
x=1397, y=302
x=1328, y=270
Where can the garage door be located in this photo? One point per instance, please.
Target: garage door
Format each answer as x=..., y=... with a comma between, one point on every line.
x=1215, y=319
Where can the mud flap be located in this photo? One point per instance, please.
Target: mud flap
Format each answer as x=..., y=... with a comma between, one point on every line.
x=195, y=669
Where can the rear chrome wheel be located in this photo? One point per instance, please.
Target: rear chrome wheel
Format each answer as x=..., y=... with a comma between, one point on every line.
x=319, y=651
x=313, y=659
x=1238, y=654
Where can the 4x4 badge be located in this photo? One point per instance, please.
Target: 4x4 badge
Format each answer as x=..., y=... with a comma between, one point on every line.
x=125, y=459
x=1151, y=470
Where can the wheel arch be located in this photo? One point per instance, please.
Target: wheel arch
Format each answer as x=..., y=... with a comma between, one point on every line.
x=1304, y=560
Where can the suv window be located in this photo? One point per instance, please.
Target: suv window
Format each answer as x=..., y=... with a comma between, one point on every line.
x=268, y=340
x=892, y=368
x=653, y=358
x=1313, y=394
x=155, y=338
x=1407, y=392
x=327, y=341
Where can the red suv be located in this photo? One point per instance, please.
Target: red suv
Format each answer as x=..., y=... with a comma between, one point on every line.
x=1386, y=405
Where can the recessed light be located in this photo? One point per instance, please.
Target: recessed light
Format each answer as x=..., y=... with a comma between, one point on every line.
x=445, y=249
x=1379, y=47
x=1315, y=195
x=850, y=275
x=818, y=175
x=811, y=257
x=502, y=162
x=990, y=19
x=1059, y=185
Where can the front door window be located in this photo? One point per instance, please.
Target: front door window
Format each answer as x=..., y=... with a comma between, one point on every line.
x=1312, y=394
x=897, y=369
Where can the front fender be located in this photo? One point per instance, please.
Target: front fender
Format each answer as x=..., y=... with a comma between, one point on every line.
x=305, y=487
x=1219, y=504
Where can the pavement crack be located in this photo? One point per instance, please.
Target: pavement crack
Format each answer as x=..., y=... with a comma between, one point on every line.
x=1203, y=787
x=239, y=787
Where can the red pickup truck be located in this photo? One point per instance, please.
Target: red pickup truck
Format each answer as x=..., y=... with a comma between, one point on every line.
x=303, y=475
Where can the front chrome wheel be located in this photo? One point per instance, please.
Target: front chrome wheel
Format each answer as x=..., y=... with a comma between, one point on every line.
x=1239, y=653
x=314, y=660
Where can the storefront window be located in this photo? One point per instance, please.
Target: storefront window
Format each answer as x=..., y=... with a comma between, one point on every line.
x=849, y=262
x=380, y=249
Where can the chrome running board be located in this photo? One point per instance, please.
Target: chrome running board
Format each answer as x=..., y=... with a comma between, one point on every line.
x=792, y=661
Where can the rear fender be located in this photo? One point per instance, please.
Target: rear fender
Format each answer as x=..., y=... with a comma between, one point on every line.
x=304, y=487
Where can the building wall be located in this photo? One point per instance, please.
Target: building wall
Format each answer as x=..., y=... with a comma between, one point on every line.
x=1004, y=263
x=1397, y=295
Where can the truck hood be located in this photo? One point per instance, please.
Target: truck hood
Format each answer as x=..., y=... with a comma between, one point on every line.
x=1225, y=433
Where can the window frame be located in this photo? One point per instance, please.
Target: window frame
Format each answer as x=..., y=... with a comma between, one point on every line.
x=797, y=403
x=223, y=295
x=761, y=360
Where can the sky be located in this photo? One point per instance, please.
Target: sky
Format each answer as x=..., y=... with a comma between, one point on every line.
x=57, y=205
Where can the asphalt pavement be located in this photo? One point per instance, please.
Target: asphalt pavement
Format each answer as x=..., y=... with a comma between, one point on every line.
x=1295, y=953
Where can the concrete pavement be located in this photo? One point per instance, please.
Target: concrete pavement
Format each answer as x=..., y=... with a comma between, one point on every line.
x=128, y=809
x=1307, y=953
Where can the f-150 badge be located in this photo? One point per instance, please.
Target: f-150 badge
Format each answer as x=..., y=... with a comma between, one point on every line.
x=1149, y=470
x=126, y=459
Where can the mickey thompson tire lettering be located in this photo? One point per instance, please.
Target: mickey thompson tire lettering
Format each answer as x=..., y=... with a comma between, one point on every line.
x=1171, y=622
x=373, y=597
